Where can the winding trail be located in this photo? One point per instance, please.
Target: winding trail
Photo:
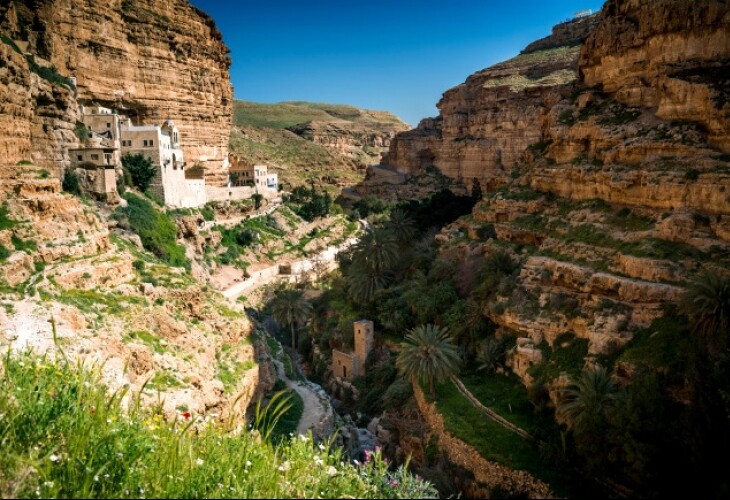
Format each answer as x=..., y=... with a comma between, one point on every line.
x=317, y=414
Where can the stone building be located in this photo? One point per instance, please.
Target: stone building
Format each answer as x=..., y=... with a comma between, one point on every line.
x=257, y=176
x=348, y=365
x=161, y=145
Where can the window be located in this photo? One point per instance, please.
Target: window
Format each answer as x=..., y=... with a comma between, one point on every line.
x=108, y=158
x=94, y=157
x=152, y=143
x=145, y=142
x=108, y=125
x=79, y=157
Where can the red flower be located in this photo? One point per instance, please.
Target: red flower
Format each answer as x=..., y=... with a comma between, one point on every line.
x=186, y=414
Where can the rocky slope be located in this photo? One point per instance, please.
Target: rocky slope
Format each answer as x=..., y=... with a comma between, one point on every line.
x=332, y=143
x=71, y=279
x=151, y=60
x=605, y=169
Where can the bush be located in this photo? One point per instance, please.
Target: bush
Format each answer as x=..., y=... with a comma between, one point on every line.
x=4, y=253
x=141, y=170
x=207, y=212
x=157, y=231
x=71, y=183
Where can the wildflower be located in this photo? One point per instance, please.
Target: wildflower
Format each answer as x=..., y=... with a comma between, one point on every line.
x=96, y=478
x=54, y=458
x=318, y=461
x=120, y=455
x=303, y=437
x=199, y=461
x=321, y=446
x=393, y=483
x=248, y=463
x=285, y=466
x=106, y=476
x=331, y=471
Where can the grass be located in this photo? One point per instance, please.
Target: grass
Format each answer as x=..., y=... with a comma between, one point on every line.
x=148, y=338
x=156, y=229
x=567, y=355
x=289, y=421
x=5, y=221
x=231, y=372
x=491, y=440
x=64, y=436
x=107, y=303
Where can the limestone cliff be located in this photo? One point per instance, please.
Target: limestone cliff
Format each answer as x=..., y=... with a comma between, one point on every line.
x=605, y=169
x=37, y=117
x=148, y=59
x=488, y=121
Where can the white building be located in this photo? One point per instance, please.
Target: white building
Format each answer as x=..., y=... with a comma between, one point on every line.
x=161, y=145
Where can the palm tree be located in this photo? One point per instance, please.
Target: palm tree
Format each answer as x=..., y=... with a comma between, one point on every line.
x=402, y=226
x=707, y=304
x=428, y=355
x=490, y=355
x=592, y=394
x=291, y=309
x=372, y=259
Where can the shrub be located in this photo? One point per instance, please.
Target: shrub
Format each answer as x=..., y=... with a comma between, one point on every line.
x=692, y=174
x=4, y=253
x=207, y=212
x=157, y=231
x=71, y=183
x=141, y=170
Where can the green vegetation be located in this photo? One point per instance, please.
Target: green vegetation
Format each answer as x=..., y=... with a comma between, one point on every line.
x=230, y=372
x=82, y=444
x=152, y=340
x=23, y=245
x=292, y=310
x=567, y=355
x=101, y=304
x=5, y=221
x=140, y=170
x=309, y=204
x=70, y=183
x=4, y=253
x=427, y=355
x=156, y=229
x=289, y=420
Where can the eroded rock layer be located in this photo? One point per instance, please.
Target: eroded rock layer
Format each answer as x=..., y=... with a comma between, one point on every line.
x=150, y=60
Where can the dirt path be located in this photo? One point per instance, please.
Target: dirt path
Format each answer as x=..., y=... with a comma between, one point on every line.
x=317, y=414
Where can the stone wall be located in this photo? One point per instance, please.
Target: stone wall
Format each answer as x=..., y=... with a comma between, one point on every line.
x=345, y=365
x=490, y=474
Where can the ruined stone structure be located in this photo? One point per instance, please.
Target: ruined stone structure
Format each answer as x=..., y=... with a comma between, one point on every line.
x=348, y=365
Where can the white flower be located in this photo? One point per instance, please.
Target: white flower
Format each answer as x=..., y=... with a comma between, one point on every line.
x=199, y=461
x=96, y=478
x=318, y=462
x=54, y=458
x=303, y=437
x=331, y=471
x=248, y=463
x=321, y=446
x=285, y=466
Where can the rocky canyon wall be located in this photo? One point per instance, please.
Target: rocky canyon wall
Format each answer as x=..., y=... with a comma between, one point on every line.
x=149, y=60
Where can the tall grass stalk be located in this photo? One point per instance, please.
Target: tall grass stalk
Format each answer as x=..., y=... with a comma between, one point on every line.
x=64, y=434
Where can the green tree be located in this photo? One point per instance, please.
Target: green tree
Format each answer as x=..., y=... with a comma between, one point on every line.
x=291, y=309
x=402, y=226
x=428, y=355
x=373, y=257
x=140, y=169
x=593, y=394
x=491, y=355
x=70, y=183
x=707, y=304
x=257, y=199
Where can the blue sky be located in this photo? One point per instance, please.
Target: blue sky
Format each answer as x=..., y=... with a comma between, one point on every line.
x=399, y=56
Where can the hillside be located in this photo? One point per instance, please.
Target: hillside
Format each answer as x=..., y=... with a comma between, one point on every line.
x=329, y=143
x=601, y=157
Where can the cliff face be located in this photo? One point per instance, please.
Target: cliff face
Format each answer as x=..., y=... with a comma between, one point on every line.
x=37, y=118
x=672, y=56
x=605, y=169
x=148, y=59
x=487, y=122
x=362, y=141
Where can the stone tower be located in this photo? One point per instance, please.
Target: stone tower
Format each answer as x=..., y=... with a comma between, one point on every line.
x=364, y=332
